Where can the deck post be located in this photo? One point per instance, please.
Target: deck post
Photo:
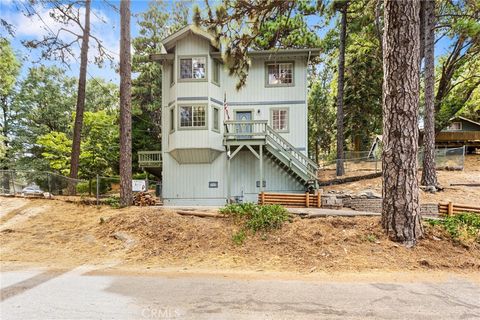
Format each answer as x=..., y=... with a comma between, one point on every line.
x=319, y=199
x=228, y=176
x=307, y=199
x=261, y=168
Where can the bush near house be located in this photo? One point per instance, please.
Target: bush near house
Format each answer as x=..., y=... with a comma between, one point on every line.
x=254, y=218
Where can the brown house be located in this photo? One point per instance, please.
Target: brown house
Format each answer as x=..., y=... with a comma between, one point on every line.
x=460, y=132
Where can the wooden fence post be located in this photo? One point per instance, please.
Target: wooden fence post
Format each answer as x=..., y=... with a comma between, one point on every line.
x=262, y=198
x=307, y=199
x=319, y=199
x=450, y=208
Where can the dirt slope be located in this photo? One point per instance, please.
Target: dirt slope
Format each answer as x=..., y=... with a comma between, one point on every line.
x=66, y=235
x=456, y=194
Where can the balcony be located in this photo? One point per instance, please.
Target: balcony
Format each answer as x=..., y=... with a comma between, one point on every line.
x=149, y=159
x=241, y=132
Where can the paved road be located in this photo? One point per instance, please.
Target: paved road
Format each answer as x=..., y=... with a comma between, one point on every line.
x=83, y=294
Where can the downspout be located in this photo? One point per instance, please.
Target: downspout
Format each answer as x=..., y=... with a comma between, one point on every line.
x=306, y=101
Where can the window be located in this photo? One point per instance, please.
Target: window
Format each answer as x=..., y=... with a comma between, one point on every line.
x=216, y=125
x=172, y=74
x=455, y=126
x=192, y=116
x=172, y=119
x=280, y=120
x=279, y=74
x=193, y=68
x=216, y=72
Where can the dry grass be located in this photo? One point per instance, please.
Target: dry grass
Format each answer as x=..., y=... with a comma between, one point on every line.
x=66, y=235
x=456, y=194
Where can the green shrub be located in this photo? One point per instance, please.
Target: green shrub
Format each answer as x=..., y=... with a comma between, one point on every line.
x=464, y=227
x=112, y=201
x=239, y=237
x=83, y=187
x=255, y=218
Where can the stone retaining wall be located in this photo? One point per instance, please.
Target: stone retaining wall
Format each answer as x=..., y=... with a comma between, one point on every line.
x=363, y=203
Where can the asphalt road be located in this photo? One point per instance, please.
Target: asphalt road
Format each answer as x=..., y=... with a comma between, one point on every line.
x=83, y=293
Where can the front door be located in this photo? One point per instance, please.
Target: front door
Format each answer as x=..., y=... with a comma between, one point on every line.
x=241, y=129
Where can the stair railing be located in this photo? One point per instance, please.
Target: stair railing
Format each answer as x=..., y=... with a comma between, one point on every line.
x=291, y=153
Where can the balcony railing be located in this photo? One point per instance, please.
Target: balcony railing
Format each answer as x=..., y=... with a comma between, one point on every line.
x=149, y=159
x=446, y=136
x=252, y=129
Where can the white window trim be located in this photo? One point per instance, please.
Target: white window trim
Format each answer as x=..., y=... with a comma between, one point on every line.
x=192, y=79
x=272, y=110
x=180, y=127
x=218, y=67
x=171, y=115
x=172, y=74
x=450, y=126
x=213, y=119
x=268, y=85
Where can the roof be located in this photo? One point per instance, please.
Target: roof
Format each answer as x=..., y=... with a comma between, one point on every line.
x=169, y=41
x=306, y=52
x=465, y=119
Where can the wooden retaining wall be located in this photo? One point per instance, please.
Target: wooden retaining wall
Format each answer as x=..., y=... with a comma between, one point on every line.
x=453, y=208
x=291, y=199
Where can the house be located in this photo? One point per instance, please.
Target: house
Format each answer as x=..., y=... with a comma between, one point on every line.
x=460, y=132
x=212, y=154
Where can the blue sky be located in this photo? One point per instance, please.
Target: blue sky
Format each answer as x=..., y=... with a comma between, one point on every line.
x=36, y=26
x=105, y=25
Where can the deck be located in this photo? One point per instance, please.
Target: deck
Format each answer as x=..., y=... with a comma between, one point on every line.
x=460, y=138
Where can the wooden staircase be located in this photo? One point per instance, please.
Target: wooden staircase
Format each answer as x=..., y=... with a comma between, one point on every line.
x=277, y=148
x=290, y=159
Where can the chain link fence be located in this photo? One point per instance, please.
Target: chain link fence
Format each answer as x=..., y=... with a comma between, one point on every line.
x=48, y=184
x=365, y=162
x=26, y=183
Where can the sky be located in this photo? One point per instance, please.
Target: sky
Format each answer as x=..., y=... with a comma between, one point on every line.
x=105, y=25
x=105, y=22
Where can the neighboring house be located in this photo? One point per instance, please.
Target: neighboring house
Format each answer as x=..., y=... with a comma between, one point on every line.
x=460, y=132
x=211, y=153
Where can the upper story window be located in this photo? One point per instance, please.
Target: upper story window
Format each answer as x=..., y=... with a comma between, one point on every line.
x=280, y=120
x=279, y=74
x=194, y=68
x=172, y=74
x=216, y=119
x=172, y=119
x=455, y=126
x=193, y=116
x=216, y=72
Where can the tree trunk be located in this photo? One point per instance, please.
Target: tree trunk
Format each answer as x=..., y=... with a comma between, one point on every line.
x=340, y=87
x=429, y=175
x=82, y=80
x=125, y=106
x=401, y=49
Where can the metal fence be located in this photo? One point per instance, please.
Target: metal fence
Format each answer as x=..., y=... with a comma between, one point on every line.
x=22, y=182
x=48, y=184
x=358, y=161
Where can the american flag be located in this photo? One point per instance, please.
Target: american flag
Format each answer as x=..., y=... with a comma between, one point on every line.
x=225, y=107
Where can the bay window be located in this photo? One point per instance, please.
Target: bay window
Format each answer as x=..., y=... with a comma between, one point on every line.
x=194, y=68
x=192, y=116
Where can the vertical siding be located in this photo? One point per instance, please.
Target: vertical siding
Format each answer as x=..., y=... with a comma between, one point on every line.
x=246, y=172
x=187, y=184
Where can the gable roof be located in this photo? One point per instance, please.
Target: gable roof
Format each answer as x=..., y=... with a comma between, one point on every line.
x=465, y=119
x=170, y=41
